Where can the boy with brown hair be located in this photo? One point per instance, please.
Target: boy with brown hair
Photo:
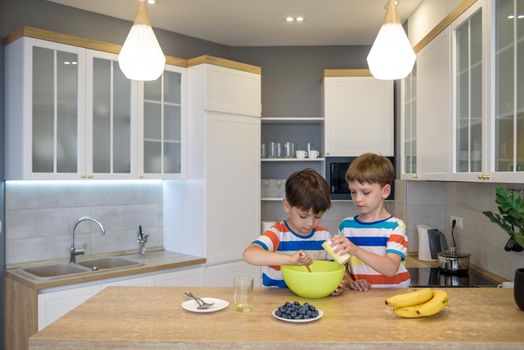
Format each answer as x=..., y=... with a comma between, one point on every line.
x=375, y=239
x=298, y=239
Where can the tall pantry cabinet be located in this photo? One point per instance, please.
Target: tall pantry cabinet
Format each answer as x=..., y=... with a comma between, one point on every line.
x=216, y=212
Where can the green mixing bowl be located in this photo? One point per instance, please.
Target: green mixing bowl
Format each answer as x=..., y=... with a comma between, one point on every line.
x=324, y=278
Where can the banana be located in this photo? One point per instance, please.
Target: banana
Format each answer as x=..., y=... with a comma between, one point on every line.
x=407, y=312
x=416, y=297
x=435, y=305
x=412, y=311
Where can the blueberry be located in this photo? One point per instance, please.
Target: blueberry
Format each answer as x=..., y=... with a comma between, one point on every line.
x=296, y=303
x=278, y=313
x=306, y=317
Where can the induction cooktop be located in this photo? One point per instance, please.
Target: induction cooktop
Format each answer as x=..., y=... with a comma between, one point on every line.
x=433, y=277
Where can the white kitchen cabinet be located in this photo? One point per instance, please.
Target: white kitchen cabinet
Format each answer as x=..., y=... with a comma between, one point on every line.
x=45, y=110
x=162, y=125
x=408, y=127
x=216, y=213
x=469, y=132
x=191, y=277
x=111, y=119
x=358, y=115
x=506, y=149
x=72, y=114
x=53, y=305
x=222, y=275
x=434, y=109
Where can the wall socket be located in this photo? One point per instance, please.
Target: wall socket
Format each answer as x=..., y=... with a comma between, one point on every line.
x=458, y=220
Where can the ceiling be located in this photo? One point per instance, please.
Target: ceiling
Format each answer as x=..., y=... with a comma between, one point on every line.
x=260, y=22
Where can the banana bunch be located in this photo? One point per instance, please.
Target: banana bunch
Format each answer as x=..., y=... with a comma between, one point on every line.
x=419, y=303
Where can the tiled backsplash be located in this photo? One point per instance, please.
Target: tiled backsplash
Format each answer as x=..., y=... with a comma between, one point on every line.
x=432, y=204
x=40, y=217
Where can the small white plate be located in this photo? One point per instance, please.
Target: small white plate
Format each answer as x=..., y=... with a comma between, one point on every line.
x=192, y=305
x=320, y=314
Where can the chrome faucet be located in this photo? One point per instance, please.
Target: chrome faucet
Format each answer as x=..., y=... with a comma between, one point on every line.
x=73, y=251
x=142, y=240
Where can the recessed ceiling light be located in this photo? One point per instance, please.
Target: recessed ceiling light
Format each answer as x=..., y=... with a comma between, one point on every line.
x=520, y=17
x=300, y=19
x=511, y=17
x=151, y=2
x=289, y=19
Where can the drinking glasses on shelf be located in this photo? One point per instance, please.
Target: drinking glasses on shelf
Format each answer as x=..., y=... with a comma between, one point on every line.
x=263, y=151
x=289, y=150
x=276, y=150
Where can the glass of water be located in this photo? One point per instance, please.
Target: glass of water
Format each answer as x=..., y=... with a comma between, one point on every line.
x=243, y=293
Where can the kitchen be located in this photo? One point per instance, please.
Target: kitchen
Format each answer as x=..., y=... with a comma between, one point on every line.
x=291, y=87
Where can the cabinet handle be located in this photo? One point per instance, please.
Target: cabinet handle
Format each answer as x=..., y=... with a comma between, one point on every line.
x=414, y=176
x=487, y=176
x=141, y=176
x=89, y=176
x=481, y=177
x=82, y=176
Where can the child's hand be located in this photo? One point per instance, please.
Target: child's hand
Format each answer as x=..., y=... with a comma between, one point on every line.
x=301, y=258
x=340, y=289
x=341, y=245
x=360, y=285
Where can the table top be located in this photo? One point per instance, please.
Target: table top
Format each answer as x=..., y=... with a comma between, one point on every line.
x=152, y=318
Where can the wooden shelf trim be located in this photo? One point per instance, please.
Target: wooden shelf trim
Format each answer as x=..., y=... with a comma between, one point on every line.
x=450, y=18
x=222, y=62
x=338, y=73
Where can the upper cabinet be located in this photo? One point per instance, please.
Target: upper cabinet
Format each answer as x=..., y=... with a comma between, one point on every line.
x=408, y=127
x=507, y=122
x=358, y=113
x=433, y=108
x=72, y=114
x=162, y=125
x=469, y=108
x=110, y=125
x=45, y=110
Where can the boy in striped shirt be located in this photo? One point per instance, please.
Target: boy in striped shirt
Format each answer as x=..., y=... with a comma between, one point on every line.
x=375, y=239
x=298, y=239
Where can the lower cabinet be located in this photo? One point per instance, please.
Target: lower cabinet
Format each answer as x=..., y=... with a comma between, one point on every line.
x=222, y=275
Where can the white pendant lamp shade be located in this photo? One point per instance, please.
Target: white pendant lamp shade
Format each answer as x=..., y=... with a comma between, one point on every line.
x=141, y=57
x=391, y=56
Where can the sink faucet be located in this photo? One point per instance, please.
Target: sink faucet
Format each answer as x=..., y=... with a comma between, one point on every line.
x=73, y=251
x=142, y=240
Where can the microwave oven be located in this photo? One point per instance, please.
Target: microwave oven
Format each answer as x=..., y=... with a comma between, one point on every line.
x=336, y=168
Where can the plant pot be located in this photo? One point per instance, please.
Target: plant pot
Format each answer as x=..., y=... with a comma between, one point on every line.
x=518, y=288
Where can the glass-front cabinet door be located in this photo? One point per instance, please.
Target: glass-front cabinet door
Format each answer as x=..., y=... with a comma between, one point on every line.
x=57, y=109
x=469, y=108
x=409, y=126
x=507, y=159
x=110, y=119
x=162, y=135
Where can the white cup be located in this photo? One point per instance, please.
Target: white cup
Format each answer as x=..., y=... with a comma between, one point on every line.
x=313, y=154
x=301, y=154
x=506, y=285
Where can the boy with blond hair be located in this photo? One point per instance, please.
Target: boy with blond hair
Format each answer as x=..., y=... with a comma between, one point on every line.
x=375, y=239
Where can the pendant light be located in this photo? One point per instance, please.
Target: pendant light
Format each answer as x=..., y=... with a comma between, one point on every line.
x=141, y=57
x=391, y=56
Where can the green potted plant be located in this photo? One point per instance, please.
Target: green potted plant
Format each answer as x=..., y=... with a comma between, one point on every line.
x=511, y=217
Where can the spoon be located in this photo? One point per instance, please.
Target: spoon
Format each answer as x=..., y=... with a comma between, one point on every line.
x=202, y=304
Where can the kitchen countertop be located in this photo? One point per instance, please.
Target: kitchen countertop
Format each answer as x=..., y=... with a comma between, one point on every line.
x=152, y=318
x=150, y=262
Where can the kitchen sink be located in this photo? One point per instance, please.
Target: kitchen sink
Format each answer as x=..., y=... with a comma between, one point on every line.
x=57, y=270
x=107, y=263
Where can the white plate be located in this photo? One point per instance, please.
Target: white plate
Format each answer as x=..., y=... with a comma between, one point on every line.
x=320, y=314
x=191, y=305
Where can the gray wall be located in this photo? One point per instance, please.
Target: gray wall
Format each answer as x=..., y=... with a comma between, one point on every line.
x=291, y=76
x=47, y=15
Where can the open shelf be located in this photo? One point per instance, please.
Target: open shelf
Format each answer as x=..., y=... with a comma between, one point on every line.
x=277, y=120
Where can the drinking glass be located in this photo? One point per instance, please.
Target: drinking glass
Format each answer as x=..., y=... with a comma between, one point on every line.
x=243, y=293
x=263, y=151
x=289, y=150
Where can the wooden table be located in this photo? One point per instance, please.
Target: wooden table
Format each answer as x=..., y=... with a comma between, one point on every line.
x=152, y=318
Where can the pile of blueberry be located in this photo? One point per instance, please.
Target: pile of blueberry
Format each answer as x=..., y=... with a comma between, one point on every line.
x=295, y=311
